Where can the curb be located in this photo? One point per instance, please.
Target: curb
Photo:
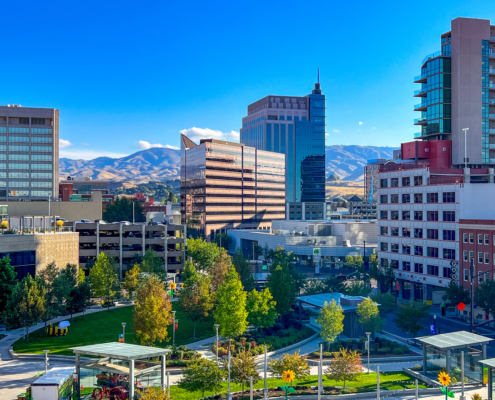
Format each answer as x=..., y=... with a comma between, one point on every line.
x=374, y=360
x=285, y=349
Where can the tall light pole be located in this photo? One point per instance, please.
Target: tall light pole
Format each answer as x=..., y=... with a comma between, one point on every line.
x=465, y=146
x=173, y=330
x=123, y=330
x=368, y=334
x=229, y=396
x=216, y=327
x=49, y=202
x=46, y=360
x=435, y=323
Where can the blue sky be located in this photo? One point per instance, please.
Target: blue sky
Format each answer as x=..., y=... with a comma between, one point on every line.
x=126, y=75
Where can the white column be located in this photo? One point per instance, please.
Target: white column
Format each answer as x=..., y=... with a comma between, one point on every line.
x=131, y=379
x=163, y=370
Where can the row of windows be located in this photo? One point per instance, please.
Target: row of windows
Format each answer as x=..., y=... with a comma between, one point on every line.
x=436, y=126
x=447, y=234
x=26, y=175
x=483, y=239
x=448, y=216
x=437, y=81
x=448, y=197
x=432, y=252
x=483, y=257
x=406, y=181
x=481, y=278
x=42, y=131
x=418, y=268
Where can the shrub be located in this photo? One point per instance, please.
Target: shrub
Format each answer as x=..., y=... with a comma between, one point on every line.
x=383, y=350
x=181, y=355
x=454, y=381
x=348, y=391
x=253, y=343
x=398, y=350
x=417, y=367
x=476, y=396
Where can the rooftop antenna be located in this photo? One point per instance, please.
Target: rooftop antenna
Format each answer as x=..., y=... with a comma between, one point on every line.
x=318, y=75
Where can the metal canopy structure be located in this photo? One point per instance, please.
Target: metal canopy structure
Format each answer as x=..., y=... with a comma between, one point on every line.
x=120, y=351
x=318, y=300
x=454, y=340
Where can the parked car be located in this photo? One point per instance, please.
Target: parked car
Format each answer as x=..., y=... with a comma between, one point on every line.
x=125, y=222
x=83, y=221
x=100, y=221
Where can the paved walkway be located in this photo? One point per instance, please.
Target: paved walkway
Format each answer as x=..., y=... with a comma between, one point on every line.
x=457, y=392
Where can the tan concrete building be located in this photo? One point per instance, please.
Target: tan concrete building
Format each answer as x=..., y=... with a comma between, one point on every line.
x=31, y=253
x=29, y=153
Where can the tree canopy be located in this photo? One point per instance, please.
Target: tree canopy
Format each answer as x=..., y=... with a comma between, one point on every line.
x=410, y=316
x=346, y=366
x=203, y=376
x=121, y=210
x=222, y=240
x=244, y=269
x=103, y=277
x=261, y=308
x=331, y=321
x=7, y=281
x=457, y=294
x=369, y=316
x=203, y=253
x=289, y=362
x=485, y=296
x=282, y=288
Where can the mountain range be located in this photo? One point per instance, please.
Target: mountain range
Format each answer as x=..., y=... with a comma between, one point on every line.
x=158, y=164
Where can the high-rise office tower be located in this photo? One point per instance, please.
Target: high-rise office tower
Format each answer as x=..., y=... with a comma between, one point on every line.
x=225, y=185
x=458, y=92
x=28, y=153
x=294, y=126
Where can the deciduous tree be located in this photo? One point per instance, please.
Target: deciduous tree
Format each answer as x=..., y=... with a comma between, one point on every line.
x=485, y=296
x=369, y=316
x=151, y=393
x=331, y=321
x=202, y=376
x=65, y=285
x=7, y=281
x=223, y=240
x=356, y=288
x=457, y=294
x=152, y=312
x=346, y=366
x=314, y=286
x=261, y=308
x=282, y=288
x=152, y=263
x=230, y=311
x=385, y=276
x=202, y=252
x=289, y=362
x=103, y=277
x=334, y=285
x=410, y=316
x=387, y=302
x=243, y=368
x=244, y=269
x=26, y=305
x=131, y=280
x=219, y=269
x=121, y=210
x=300, y=279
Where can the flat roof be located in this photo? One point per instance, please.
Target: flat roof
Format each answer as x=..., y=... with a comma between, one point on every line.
x=489, y=362
x=120, y=351
x=56, y=376
x=454, y=339
x=318, y=300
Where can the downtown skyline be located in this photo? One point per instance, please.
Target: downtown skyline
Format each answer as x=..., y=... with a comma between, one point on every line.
x=167, y=71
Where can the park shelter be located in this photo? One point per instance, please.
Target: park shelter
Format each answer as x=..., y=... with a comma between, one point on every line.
x=490, y=365
x=119, y=367
x=349, y=304
x=444, y=351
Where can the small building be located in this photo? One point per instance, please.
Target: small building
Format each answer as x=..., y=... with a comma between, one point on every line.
x=80, y=189
x=444, y=352
x=121, y=368
x=349, y=304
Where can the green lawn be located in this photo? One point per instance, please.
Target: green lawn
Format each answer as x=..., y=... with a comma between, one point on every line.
x=105, y=326
x=388, y=381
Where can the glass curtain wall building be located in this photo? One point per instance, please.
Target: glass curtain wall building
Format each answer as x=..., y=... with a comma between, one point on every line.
x=294, y=126
x=458, y=92
x=228, y=185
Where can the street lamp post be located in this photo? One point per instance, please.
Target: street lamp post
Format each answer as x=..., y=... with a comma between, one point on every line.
x=465, y=147
x=46, y=360
x=123, y=330
x=435, y=323
x=368, y=334
x=173, y=329
x=216, y=327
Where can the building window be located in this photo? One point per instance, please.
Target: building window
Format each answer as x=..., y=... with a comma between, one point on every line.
x=449, y=197
x=418, y=198
x=418, y=181
x=383, y=230
x=418, y=215
x=471, y=238
x=418, y=268
x=432, y=252
x=449, y=216
x=487, y=239
x=480, y=278
x=465, y=237
x=432, y=270
x=406, y=198
x=394, y=215
x=38, y=121
x=432, y=234
x=394, y=182
x=432, y=197
x=383, y=246
x=406, y=232
x=406, y=181
x=24, y=121
x=480, y=239
x=487, y=258
x=447, y=273
x=449, y=254
x=394, y=247
x=406, y=266
x=448, y=235
x=432, y=215
x=406, y=215
x=394, y=198
x=418, y=250
x=418, y=233
x=394, y=231
x=383, y=199
x=466, y=275
x=480, y=257
x=406, y=249
x=394, y=264
x=383, y=214
x=471, y=255
x=384, y=262
x=383, y=183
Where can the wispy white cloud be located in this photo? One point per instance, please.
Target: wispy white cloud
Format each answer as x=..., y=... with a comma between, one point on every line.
x=360, y=123
x=373, y=128
x=143, y=144
x=196, y=134
x=62, y=143
x=84, y=144
x=84, y=154
x=336, y=131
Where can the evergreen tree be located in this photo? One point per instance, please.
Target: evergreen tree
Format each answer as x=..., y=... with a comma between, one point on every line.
x=7, y=281
x=230, y=311
x=65, y=285
x=222, y=240
x=26, y=305
x=188, y=271
x=104, y=277
x=49, y=276
x=152, y=312
x=261, y=309
x=244, y=269
x=282, y=288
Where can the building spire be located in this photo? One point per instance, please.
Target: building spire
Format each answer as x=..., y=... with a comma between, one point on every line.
x=318, y=75
x=317, y=89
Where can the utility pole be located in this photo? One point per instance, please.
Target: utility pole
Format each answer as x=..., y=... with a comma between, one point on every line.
x=368, y=334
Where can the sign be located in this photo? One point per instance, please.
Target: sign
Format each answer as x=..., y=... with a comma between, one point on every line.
x=454, y=270
x=461, y=306
x=121, y=338
x=316, y=255
x=176, y=324
x=454, y=263
x=453, y=276
x=432, y=329
x=397, y=286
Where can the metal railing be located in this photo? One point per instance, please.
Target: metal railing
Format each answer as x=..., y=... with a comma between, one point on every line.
x=18, y=230
x=432, y=55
